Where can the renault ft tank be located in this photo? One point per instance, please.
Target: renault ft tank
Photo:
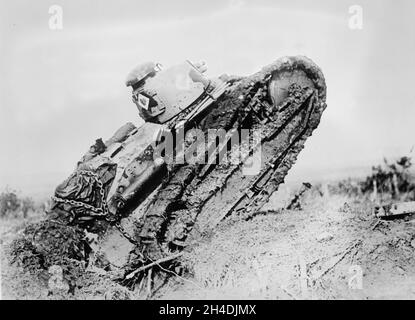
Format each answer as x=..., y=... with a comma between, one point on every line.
x=142, y=203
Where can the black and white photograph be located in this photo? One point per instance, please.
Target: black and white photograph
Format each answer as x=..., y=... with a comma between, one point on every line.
x=227, y=150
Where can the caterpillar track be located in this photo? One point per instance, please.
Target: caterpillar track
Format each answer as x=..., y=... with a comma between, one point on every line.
x=170, y=205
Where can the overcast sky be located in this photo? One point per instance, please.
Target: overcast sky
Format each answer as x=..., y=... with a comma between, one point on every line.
x=62, y=89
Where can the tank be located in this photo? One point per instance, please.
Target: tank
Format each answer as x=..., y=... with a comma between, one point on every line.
x=142, y=203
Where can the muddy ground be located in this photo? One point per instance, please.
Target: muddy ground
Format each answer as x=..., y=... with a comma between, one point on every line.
x=332, y=249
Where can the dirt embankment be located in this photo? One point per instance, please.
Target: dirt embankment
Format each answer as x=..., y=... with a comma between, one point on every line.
x=332, y=249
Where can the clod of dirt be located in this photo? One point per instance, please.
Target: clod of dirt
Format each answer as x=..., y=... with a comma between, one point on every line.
x=400, y=270
x=325, y=236
x=345, y=208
